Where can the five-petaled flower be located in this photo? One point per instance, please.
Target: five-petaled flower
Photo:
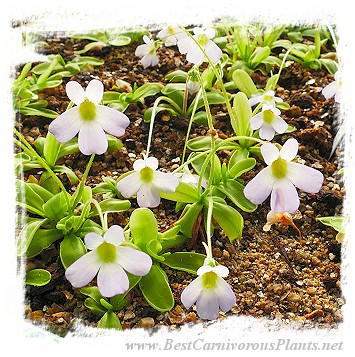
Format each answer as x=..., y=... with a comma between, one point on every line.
x=280, y=178
x=194, y=54
x=269, y=122
x=171, y=35
x=108, y=259
x=88, y=118
x=147, y=183
x=147, y=52
x=333, y=88
x=210, y=292
x=266, y=99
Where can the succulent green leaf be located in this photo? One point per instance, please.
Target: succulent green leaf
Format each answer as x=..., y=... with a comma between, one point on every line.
x=188, y=218
x=185, y=193
x=244, y=82
x=144, y=227
x=229, y=219
x=235, y=192
x=71, y=249
x=26, y=235
x=185, y=261
x=110, y=321
x=38, y=277
x=156, y=290
x=42, y=239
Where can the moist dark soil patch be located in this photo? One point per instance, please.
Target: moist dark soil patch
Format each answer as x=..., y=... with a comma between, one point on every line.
x=306, y=291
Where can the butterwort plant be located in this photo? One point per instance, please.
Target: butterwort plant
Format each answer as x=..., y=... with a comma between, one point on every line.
x=89, y=119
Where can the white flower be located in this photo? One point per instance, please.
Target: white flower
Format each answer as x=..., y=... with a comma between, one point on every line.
x=171, y=35
x=147, y=183
x=108, y=259
x=268, y=121
x=193, y=86
x=334, y=88
x=193, y=52
x=280, y=178
x=147, y=52
x=210, y=292
x=267, y=99
x=88, y=118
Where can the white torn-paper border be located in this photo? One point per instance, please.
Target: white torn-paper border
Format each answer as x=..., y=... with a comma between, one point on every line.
x=234, y=335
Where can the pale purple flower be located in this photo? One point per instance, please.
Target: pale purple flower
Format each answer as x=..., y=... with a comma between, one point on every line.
x=269, y=122
x=147, y=183
x=333, y=88
x=147, y=52
x=108, y=259
x=210, y=292
x=171, y=35
x=193, y=52
x=267, y=99
x=88, y=118
x=281, y=177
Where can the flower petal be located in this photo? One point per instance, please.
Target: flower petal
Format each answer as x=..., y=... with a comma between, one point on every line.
x=92, y=138
x=112, y=280
x=165, y=182
x=142, y=50
x=269, y=152
x=254, y=99
x=66, y=125
x=150, y=60
x=75, y=92
x=114, y=235
x=259, y=188
x=95, y=91
x=111, y=120
x=93, y=240
x=148, y=196
x=82, y=271
x=134, y=261
x=139, y=165
x=184, y=44
x=284, y=197
x=266, y=132
x=191, y=293
x=330, y=89
x=195, y=55
x=305, y=178
x=204, y=269
x=221, y=270
x=152, y=162
x=256, y=121
x=226, y=296
x=207, y=305
x=289, y=149
x=210, y=32
x=129, y=185
x=213, y=51
x=279, y=125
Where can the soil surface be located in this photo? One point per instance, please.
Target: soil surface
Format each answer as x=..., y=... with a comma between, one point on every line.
x=273, y=275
